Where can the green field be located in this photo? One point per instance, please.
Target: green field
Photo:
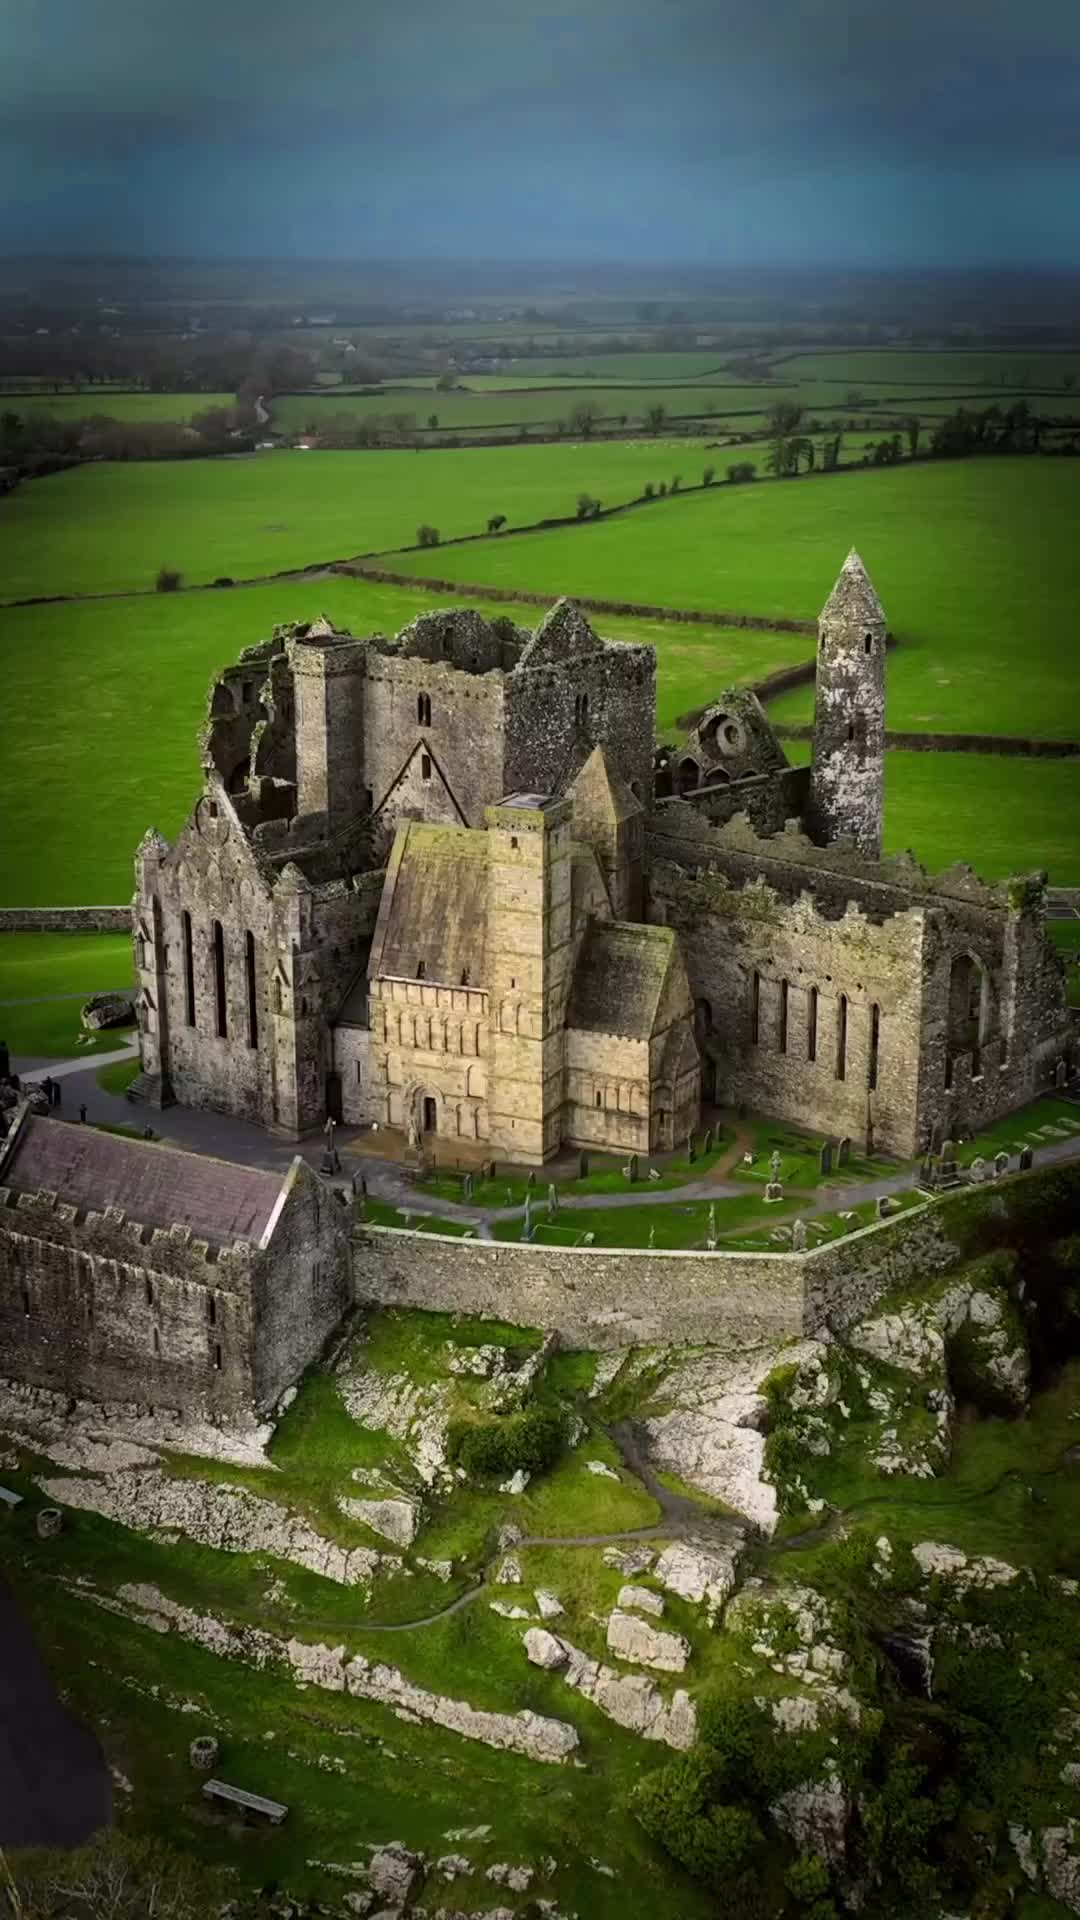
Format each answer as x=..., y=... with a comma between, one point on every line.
x=535, y=406
x=1019, y=368
x=108, y=528
x=139, y=668
x=104, y=403
x=976, y=563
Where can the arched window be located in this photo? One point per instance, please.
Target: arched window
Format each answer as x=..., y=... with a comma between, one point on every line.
x=811, y=1024
x=875, y=1043
x=841, y=1037
x=189, y=970
x=868, y=643
x=220, y=1008
x=425, y=766
x=249, y=979
x=423, y=709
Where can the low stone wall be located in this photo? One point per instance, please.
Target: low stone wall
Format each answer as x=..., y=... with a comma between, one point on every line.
x=591, y=1296
x=1016, y=745
x=623, y=1296
x=65, y=919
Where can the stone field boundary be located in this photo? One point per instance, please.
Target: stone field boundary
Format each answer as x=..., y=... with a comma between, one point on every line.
x=65, y=919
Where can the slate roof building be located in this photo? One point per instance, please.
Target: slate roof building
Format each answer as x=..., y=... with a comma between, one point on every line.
x=135, y=1273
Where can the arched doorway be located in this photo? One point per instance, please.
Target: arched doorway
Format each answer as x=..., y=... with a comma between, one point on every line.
x=969, y=1012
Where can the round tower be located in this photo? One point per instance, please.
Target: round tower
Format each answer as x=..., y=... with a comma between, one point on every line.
x=849, y=713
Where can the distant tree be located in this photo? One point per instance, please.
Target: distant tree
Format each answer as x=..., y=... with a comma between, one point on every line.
x=433, y=421
x=830, y=456
x=783, y=418
x=913, y=428
x=168, y=580
x=1069, y=382
x=662, y=489
x=446, y=382
x=584, y=418
x=741, y=470
x=655, y=417
x=496, y=523
x=676, y=483
x=648, y=490
x=707, y=476
x=427, y=536
x=586, y=506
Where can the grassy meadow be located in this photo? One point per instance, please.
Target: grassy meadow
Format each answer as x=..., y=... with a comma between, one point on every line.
x=108, y=528
x=532, y=405
x=92, y=402
x=975, y=561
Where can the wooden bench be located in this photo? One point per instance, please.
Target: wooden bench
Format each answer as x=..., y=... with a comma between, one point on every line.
x=254, y=1803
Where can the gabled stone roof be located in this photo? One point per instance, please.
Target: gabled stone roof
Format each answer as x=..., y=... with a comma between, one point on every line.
x=433, y=914
x=564, y=634
x=620, y=978
x=599, y=794
x=853, y=598
x=220, y=1200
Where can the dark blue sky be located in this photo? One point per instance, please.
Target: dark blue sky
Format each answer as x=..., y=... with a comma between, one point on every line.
x=757, y=131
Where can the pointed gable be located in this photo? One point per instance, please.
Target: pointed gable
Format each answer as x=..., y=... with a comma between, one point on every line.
x=563, y=635
x=853, y=598
x=600, y=796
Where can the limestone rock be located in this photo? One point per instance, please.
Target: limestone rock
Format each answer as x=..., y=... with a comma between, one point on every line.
x=1061, y=1863
x=517, y=1482
x=397, y=1520
x=483, y=1363
x=415, y=1413
x=633, y=1639
x=217, y=1515
x=108, y=1010
x=629, y=1560
x=935, y=1557
x=508, y=1573
x=357, y=1902
x=508, y=1612
x=699, y=1571
x=601, y=1467
x=815, y=1818
x=396, y=1873
x=548, y=1604
x=519, y=1879
x=545, y=1649
x=643, y=1598
x=452, y=1865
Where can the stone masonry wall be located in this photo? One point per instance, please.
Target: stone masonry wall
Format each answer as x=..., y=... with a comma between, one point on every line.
x=549, y=736
x=302, y=1284
x=65, y=919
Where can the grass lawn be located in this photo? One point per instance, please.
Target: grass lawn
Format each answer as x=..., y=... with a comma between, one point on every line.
x=1065, y=935
x=509, y=1187
x=1042, y=1124
x=536, y=406
x=975, y=562
x=678, y=1223
x=117, y=1078
x=108, y=528
x=33, y=964
x=101, y=402
x=379, y=1214
x=799, y=1159
x=142, y=667
x=1001, y=814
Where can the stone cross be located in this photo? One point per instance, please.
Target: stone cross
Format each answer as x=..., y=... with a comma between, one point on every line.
x=712, y=1223
x=553, y=1200
x=775, y=1163
x=652, y=1238
x=1027, y=1158
x=583, y=1166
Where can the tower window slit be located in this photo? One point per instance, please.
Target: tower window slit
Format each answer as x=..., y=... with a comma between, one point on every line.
x=220, y=1009
x=875, y=1043
x=252, y=1002
x=811, y=1025
x=755, y=1010
x=189, y=971
x=783, y=1015
x=841, y=1037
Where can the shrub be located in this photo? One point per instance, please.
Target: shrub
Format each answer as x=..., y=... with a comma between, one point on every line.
x=676, y=483
x=490, y=1449
x=496, y=523
x=707, y=476
x=225, y=580
x=427, y=536
x=168, y=580
x=650, y=490
x=586, y=505
x=714, y=1841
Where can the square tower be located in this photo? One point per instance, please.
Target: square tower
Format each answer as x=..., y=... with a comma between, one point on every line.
x=528, y=971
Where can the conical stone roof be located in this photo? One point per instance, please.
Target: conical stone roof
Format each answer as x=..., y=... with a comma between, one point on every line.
x=853, y=598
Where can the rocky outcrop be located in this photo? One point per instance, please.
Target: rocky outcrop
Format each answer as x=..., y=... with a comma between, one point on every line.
x=398, y=1520
x=948, y=1563
x=315, y=1664
x=637, y=1640
x=631, y=1700
x=396, y=1874
x=968, y=1326
x=108, y=1010
x=416, y=1413
x=643, y=1599
x=699, y=1571
x=815, y=1819
x=629, y=1560
x=217, y=1515
x=712, y=1432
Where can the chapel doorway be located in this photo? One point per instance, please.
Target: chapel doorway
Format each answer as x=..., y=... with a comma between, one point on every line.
x=428, y=1119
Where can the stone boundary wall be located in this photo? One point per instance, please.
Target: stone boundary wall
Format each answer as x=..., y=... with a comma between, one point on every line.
x=627, y=1296
x=1017, y=745
x=683, y=615
x=65, y=919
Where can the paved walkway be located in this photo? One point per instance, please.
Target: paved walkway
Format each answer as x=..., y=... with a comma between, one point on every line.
x=225, y=1138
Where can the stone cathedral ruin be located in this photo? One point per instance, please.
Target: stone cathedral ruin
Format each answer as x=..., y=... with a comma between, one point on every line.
x=445, y=884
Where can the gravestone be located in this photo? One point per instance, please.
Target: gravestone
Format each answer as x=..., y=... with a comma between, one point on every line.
x=466, y=1187
x=632, y=1163
x=824, y=1158
x=655, y=1174
x=1001, y=1164
x=927, y=1173
x=773, y=1191
x=1061, y=1074
x=884, y=1206
x=1027, y=1159
x=203, y=1752
x=706, y=1145
x=530, y=1180
x=948, y=1151
x=843, y=1152
x=978, y=1167
x=798, y=1236
x=652, y=1239
x=553, y=1200
x=691, y=1152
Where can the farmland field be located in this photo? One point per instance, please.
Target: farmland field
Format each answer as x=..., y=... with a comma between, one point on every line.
x=108, y=528
x=533, y=406
x=116, y=405
x=1018, y=368
x=962, y=553
x=127, y=684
